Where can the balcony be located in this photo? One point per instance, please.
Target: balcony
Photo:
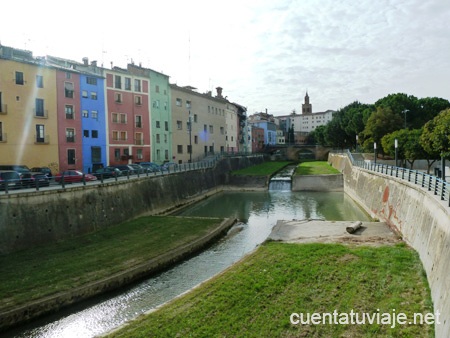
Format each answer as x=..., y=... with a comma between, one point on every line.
x=41, y=114
x=3, y=138
x=41, y=140
x=3, y=109
x=138, y=142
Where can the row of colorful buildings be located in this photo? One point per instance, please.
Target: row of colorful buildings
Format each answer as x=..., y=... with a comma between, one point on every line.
x=77, y=115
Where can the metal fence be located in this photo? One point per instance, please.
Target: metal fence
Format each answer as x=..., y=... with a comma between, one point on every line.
x=438, y=186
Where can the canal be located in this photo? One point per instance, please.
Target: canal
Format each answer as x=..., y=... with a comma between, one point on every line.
x=257, y=213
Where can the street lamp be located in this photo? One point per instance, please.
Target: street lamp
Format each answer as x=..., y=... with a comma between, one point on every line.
x=404, y=112
x=375, y=152
x=356, y=147
x=396, y=150
x=190, y=136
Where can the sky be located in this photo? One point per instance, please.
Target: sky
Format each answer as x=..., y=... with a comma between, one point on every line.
x=264, y=54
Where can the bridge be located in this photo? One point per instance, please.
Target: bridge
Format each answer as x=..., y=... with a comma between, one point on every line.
x=297, y=152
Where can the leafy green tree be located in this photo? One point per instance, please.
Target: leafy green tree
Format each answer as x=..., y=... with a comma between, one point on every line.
x=383, y=121
x=435, y=138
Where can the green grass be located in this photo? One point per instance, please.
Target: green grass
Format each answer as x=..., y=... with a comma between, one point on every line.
x=39, y=272
x=263, y=169
x=256, y=297
x=315, y=168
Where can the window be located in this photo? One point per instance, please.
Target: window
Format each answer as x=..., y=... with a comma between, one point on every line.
x=115, y=135
x=195, y=139
x=211, y=129
x=158, y=140
x=91, y=80
x=19, y=78
x=94, y=114
x=69, y=112
x=39, y=81
x=179, y=125
x=84, y=113
x=139, y=154
x=117, y=154
x=166, y=154
x=93, y=95
x=188, y=104
x=39, y=110
x=84, y=94
x=158, y=154
x=117, y=82
x=157, y=88
x=126, y=152
x=137, y=85
x=118, y=97
x=115, y=117
x=123, y=118
x=68, y=75
x=189, y=149
x=156, y=104
x=222, y=131
x=70, y=135
x=179, y=149
x=166, y=125
x=138, y=139
x=94, y=133
x=68, y=89
x=2, y=137
x=40, y=133
x=123, y=135
x=138, y=121
x=195, y=118
x=71, y=156
x=165, y=138
x=158, y=124
x=165, y=105
x=127, y=83
x=205, y=128
x=178, y=102
x=85, y=133
x=138, y=100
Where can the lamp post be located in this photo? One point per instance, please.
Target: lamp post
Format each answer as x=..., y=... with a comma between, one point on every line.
x=375, y=152
x=356, y=147
x=396, y=150
x=404, y=112
x=190, y=136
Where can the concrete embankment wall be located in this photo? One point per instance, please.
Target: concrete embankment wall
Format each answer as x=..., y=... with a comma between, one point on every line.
x=29, y=219
x=421, y=218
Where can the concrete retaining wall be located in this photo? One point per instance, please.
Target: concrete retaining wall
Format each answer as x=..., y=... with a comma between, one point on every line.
x=318, y=182
x=420, y=217
x=45, y=216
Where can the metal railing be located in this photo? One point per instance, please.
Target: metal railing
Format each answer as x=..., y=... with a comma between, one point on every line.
x=433, y=184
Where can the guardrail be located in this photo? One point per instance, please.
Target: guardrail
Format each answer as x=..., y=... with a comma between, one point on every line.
x=210, y=162
x=439, y=187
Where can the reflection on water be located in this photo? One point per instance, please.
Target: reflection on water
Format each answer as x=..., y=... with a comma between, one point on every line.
x=257, y=212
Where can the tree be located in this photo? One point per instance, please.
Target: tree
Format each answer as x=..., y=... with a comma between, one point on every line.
x=383, y=121
x=435, y=138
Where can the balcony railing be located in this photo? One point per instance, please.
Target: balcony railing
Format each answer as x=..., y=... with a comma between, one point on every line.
x=43, y=114
x=3, y=109
x=138, y=142
x=41, y=140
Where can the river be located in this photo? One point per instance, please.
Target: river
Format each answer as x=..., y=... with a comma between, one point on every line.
x=257, y=213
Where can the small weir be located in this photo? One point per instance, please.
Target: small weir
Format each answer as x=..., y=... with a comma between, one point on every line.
x=282, y=181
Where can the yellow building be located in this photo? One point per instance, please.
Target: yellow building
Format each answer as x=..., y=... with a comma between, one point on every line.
x=28, y=121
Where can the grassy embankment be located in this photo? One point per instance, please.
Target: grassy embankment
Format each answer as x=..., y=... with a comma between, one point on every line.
x=256, y=297
x=315, y=168
x=263, y=169
x=43, y=271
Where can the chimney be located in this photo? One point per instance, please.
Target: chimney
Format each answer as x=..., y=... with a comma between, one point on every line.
x=85, y=61
x=94, y=63
x=219, y=92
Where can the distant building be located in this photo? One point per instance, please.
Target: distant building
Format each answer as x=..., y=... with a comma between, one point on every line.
x=257, y=139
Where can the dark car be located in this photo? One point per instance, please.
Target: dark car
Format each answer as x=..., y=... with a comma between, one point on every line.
x=125, y=169
x=73, y=176
x=23, y=171
x=45, y=170
x=9, y=179
x=107, y=172
x=39, y=179
x=169, y=166
x=150, y=166
x=137, y=168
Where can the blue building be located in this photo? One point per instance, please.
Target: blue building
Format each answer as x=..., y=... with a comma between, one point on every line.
x=270, y=131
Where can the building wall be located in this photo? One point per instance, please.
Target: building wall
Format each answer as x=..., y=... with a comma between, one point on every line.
x=19, y=143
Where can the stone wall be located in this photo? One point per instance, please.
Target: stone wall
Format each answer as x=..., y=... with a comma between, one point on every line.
x=29, y=219
x=421, y=218
x=317, y=182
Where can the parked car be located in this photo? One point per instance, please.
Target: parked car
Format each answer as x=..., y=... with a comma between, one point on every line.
x=169, y=166
x=23, y=171
x=10, y=179
x=137, y=168
x=108, y=172
x=150, y=166
x=125, y=169
x=45, y=170
x=72, y=176
x=39, y=179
